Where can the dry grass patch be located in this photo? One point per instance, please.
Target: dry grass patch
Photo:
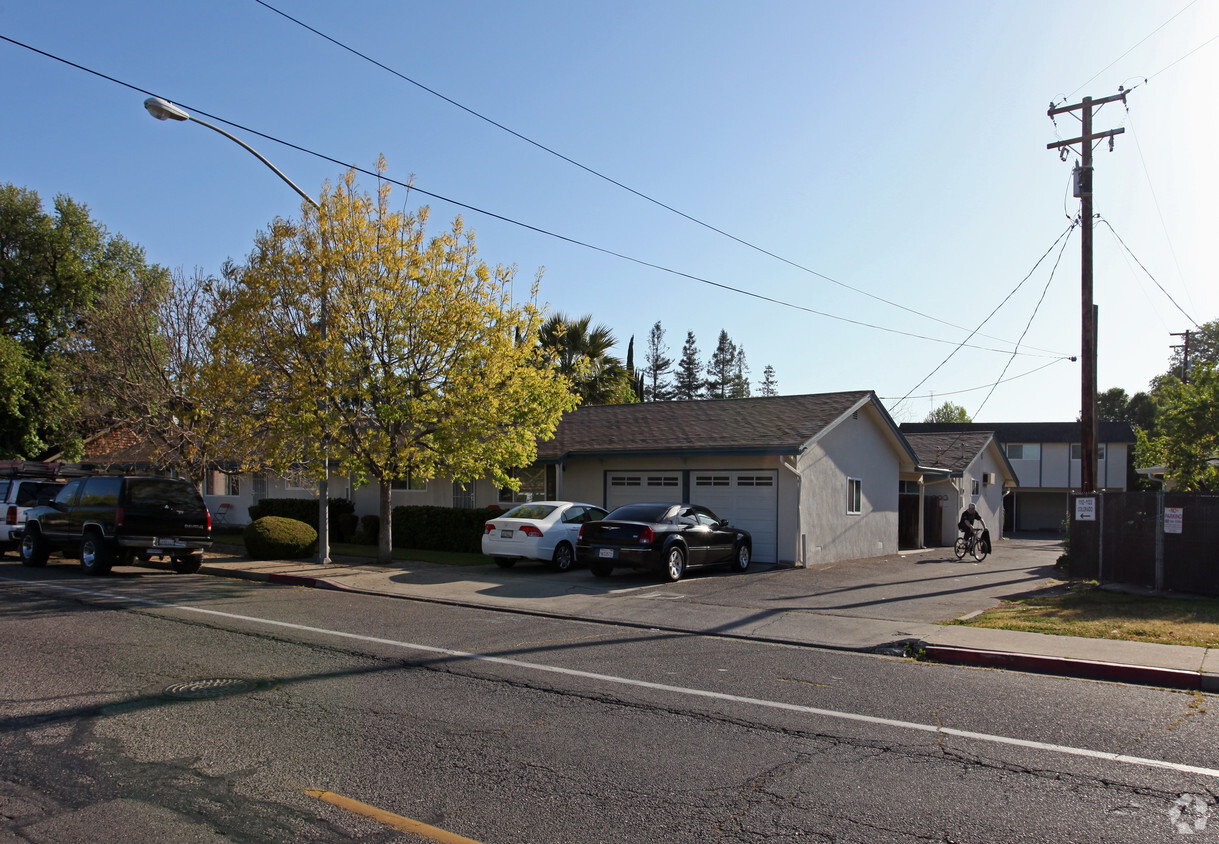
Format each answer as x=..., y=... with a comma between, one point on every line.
x=1082, y=609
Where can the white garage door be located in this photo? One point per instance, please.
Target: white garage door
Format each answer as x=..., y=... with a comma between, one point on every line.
x=746, y=499
x=640, y=487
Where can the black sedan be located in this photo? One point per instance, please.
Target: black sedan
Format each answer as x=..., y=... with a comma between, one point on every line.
x=662, y=537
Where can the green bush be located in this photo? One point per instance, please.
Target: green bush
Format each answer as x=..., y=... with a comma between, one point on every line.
x=277, y=538
x=370, y=530
x=438, y=528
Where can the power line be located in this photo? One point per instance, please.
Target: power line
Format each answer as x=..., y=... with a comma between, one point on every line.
x=975, y=389
x=1061, y=238
x=341, y=45
x=527, y=226
x=1131, y=50
x=1027, y=325
x=1109, y=225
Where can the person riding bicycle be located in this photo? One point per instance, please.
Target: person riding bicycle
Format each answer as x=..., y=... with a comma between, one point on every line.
x=966, y=524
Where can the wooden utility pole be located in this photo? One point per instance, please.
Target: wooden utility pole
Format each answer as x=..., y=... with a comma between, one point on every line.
x=1083, y=171
x=1184, y=347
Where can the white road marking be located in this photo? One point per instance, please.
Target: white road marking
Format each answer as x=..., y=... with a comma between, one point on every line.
x=644, y=684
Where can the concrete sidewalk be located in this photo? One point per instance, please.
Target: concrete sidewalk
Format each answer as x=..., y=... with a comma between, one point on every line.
x=882, y=605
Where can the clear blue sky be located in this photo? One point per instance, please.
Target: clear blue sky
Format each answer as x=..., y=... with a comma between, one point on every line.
x=897, y=148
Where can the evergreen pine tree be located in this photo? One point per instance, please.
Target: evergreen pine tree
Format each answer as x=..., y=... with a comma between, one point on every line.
x=657, y=386
x=688, y=380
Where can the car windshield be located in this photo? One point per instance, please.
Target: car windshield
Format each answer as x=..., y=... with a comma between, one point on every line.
x=161, y=491
x=639, y=513
x=530, y=511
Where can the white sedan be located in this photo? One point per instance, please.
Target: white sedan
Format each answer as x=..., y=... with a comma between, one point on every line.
x=539, y=530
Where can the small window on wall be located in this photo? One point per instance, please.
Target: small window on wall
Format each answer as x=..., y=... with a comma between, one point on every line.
x=463, y=495
x=533, y=486
x=854, y=496
x=975, y=488
x=1077, y=451
x=409, y=483
x=1024, y=451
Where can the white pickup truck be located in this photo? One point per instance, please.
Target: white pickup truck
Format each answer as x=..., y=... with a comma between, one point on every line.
x=17, y=496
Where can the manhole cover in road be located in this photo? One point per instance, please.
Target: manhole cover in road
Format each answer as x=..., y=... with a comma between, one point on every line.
x=214, y=687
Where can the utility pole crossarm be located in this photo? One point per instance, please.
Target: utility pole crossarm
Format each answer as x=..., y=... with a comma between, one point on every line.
x=1095, y=136
x=1089, y=101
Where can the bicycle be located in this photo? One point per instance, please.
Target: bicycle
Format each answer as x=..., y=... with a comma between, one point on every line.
x=972, y=546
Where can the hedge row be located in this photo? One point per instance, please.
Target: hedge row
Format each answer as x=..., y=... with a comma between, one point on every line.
x=439, y=528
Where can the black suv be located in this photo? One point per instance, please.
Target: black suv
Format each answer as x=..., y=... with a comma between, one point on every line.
x=105, y=519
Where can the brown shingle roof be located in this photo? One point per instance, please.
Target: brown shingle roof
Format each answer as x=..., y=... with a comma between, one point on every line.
x=951, y=451
x=775, y=424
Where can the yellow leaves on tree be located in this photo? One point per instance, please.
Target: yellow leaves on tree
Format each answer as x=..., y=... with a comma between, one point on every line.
x=403, y=353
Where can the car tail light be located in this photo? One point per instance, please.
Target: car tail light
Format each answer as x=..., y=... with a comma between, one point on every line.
x=580, y=535
x=209, y=518
x=11, y=518
x=530, y=530
x=118, y=517
x=488, y=527
x=646, y=536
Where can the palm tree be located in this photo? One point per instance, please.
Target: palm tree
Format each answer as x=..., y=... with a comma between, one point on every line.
x=580, y=351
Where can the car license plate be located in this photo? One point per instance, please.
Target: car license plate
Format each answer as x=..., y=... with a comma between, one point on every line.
x=505, y=534
x=170, y=543
x=606, y=552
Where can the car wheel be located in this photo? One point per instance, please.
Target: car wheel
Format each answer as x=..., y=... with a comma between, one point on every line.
x=34, y=549
x=505, y=562
x=959, y=548
x=601, y=570
x=188, y=564
x=564, y=556
x=675, y=563
x=741, y=563
x=94, y=557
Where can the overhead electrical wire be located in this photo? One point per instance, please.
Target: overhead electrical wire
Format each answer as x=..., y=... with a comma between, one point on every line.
x=1027, y=326
x=1109, y=225
x=986, y=386
x=1062, y=238
x=341, y=45
x=1132, y=49
x=536, y=229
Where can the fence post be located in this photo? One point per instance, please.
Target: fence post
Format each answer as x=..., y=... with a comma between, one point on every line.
x=1100, y=536
x=1160, y=540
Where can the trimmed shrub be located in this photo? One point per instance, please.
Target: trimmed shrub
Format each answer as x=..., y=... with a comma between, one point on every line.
x=277, y=538
x=439, y=528
x=370, y=529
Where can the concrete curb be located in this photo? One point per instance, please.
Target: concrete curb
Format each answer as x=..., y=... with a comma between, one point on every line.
x=1170, y=678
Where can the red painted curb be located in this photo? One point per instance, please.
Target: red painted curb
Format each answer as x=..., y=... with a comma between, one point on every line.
x=300, y=580
x=1173, y=678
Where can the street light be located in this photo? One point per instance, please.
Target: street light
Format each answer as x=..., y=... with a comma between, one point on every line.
x=165, y=110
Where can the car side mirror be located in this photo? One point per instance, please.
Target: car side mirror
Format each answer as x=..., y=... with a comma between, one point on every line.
x=723, y=523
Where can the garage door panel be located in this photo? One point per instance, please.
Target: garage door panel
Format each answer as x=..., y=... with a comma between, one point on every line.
x=747, y=499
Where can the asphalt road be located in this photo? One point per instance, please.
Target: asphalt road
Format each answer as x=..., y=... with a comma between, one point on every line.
x=149, y=706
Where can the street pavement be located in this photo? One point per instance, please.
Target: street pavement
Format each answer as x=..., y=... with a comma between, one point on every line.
x=897, y=604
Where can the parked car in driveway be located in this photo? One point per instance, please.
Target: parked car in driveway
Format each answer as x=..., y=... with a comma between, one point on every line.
x=103, y=519
x=668, y=538
x=539, y=530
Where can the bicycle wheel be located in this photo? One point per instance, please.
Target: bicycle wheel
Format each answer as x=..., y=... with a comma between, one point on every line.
x=977, y=550
x=959, y=548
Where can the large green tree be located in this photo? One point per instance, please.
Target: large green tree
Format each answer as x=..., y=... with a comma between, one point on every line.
x=688, y=380
x=54, y=268
x=352, y=332
x=1188, y=431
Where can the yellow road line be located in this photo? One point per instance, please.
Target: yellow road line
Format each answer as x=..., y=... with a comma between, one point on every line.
x=388, y=818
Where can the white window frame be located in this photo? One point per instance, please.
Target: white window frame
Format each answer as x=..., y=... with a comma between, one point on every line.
x=854, y=496
x=1077, y=450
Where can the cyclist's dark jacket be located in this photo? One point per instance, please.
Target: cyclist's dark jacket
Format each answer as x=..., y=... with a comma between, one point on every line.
x=969, y=517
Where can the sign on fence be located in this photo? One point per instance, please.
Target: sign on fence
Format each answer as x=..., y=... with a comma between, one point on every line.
x=1085, y=509
x=1174, y=519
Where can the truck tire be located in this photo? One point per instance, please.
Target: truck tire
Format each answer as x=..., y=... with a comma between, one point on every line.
x=34, y=549
x=187, y=563
x=95, y=557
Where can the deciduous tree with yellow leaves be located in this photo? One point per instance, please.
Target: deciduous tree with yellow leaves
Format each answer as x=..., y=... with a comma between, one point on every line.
x=352, y=333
